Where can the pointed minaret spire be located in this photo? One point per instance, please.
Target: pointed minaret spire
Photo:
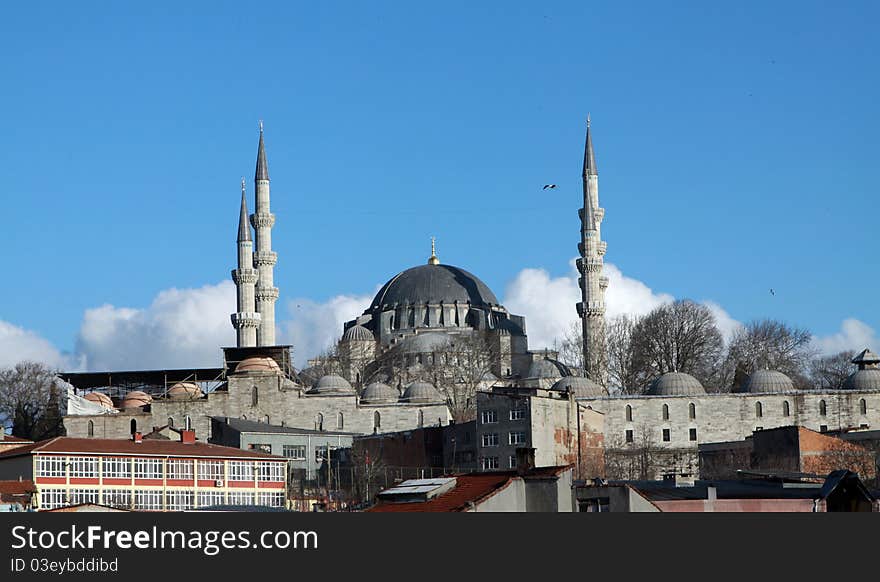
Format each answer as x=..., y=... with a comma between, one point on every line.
x=244, y=227
x=433, y=260
x=590, y=168
x=262, y=172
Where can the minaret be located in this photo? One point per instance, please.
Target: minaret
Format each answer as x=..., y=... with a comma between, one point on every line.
x=591, y=308
x=246, y=320
x=264, y=258
x=433, y=260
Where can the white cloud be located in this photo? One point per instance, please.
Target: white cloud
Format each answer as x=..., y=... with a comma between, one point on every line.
x=853, y=335
x=726, y=324
x=181, y=328
x=18, y=344
x=314, y=326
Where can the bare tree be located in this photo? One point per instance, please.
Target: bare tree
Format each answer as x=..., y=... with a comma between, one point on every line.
x=831, y=372
x=677, y=337
x=571, y=347
x=460, y=370
x=30, y=397
x=767, y=344
x=325, y=363
x=623, y=370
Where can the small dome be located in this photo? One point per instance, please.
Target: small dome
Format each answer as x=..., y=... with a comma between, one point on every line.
x=379, y=393
x=767, y=381
x=421, y=392
x=676, y=384
x=547, y=368
x=867, y=379
x=581, y=386
x=185, y=391
x=426, y=343
x=258, y=364
x=358, y=333
x=135, y=399
x=99, y=398
x=332, y=384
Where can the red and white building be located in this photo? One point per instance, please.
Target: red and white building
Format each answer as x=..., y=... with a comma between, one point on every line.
x=146, y=475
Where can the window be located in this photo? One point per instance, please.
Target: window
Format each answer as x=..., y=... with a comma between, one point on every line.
x=666, y=435
x=51, y=466
x=692, y=434
x=297, y=452
x=179, y=500
x=629, y=413
x=517, y=414
x=91, y=428
x=148, y=500
x=241, y=470
x=241, y=498
x=597, y=505
x=823, y=428
x=320, y=453
x=516, y=438
x=490, y=440
x=420, y=418
x=822, y=408
x=116, y=468
x=170, y=422
x=84, y=467
x=340, y=421
x=271, y=498
x=210, y=470
x=692, y=411
x=629, y=436
x=117, y=498
x=209, y=498
x=759, y=410
x=512, y=462
x=133, y=425
x=180, y=469
x=261, y=447
x=488, y=463
x=52, y=498
x=377, y=421
x=863, y=406
x=488, y=417
x=863, y=426
x=255, y=396
x=786, y=410
x=78, y=496
x=665, y=412
x=271, y=471
x=148, y=469
x=319, y=422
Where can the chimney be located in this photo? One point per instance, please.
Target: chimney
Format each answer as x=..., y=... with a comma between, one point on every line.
x=137, y=437
x=188, y=436
x=525, y=460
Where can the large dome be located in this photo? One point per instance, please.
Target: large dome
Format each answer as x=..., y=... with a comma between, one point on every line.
x=676, y=384
x=433, y=284
x=867, y=379
x=581, y=386
x=767, y=382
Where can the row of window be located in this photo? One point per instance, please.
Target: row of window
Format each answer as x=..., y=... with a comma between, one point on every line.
x=759, y=410
x=186, y=469
x=151, y=500
x=491, y=416
x=666, y=435
x=377, y=420
x=513, y=438
x=489, y=463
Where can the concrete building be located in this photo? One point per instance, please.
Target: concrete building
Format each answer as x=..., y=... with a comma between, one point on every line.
x=146, y=475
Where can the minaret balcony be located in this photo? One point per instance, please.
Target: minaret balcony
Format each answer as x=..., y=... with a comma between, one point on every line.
x=601, y=247
x=262, y=220
x=246, y=319
x=592, y=309
x=603, y=282
x=589, y=265
x=599, y=213
x=264, y=294
x=262, y=258
x=245, y=276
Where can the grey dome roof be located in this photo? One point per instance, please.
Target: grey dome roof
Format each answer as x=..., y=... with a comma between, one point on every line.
x=676, y=384
x=426, y=342
x=433, y=284
x=358, y=333
x=547, y=368
x=867, y=379
x=581, y=386
x=765, y=381
x=421, y=392
x=332, y=384
x=379, y=393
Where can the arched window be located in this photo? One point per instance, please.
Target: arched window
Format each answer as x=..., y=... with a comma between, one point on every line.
x=692, y=411
x=863, y=406
x=822, y=408
x=134, y=426
x=377, y=421
x=92, y=427
x=786, y=411
x=170, y=422
x=759, y=410
x=255, y=396
x=629, y=413
x=266, y=420
x=421, y=418
x=319, y=422
x=665, y=412
x=340, y=422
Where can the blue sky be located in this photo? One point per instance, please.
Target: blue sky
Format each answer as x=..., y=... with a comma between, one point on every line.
x=736, y=146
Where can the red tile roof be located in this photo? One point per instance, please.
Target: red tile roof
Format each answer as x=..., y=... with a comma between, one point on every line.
x=16, y=487
x=84, y=446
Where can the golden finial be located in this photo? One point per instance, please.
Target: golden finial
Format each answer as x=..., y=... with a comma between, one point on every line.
x=433, y=260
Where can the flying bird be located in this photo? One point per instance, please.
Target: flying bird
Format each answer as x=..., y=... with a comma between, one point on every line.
x=772, y=292
x=551, y=186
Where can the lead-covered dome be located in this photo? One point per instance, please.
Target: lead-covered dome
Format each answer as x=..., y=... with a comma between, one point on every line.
x=433, y=284
x=421, y=392
x=547, y=368
x=422, y=343
x=332, y=384
x=867, y=379
x=358, y=333
x=379, y=393
x=768, y=381
x=676, y=384
x=581, y=386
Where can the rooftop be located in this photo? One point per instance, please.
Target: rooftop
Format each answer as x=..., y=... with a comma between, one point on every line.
x=253, y=426
x=124, y=447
